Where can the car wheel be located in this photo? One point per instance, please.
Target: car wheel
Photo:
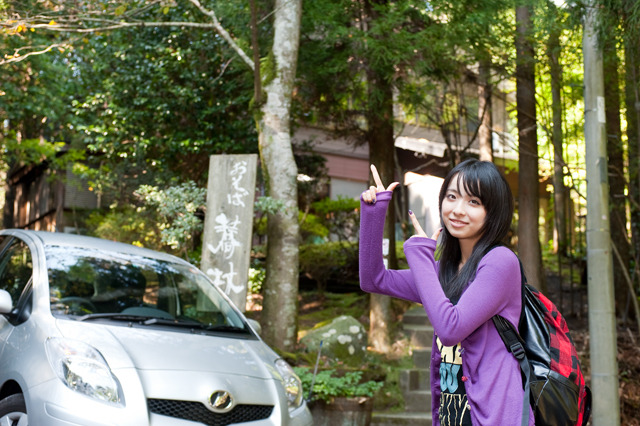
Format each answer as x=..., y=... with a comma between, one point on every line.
x=13, y=411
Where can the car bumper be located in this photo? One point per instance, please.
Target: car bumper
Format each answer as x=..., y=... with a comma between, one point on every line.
x=53, y=404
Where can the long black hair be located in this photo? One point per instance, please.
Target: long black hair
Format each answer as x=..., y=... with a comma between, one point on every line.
x=483, y=180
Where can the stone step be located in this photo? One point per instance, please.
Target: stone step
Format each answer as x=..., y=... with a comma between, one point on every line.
x=420, y=336
x=400, y=419
x=414, y=379
x=414, y=383
x=417, y=401
x=415, y=315
x=421, y=357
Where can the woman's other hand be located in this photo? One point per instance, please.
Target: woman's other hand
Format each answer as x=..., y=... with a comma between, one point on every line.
x=418, y=228
x=369, y=196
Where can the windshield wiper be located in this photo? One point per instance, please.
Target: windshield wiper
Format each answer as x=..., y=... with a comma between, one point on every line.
x=148, y=320
x=194, y=325
x=112, y=315
x=229, y=328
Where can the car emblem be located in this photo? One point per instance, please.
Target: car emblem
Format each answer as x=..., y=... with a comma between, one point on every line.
x=221, y=401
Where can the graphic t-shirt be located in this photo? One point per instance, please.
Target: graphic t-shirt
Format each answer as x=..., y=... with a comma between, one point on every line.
x=454, y=407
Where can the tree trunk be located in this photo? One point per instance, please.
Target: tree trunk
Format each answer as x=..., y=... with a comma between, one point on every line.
x=485, y=111
x=380, y=135
x=617, y=181
x=528, y=179
x=559, y=189
x=279, y=317
x=602, y=321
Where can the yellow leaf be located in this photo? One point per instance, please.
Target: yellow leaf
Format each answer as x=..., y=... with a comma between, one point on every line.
x=120, y=10
x=52, y=22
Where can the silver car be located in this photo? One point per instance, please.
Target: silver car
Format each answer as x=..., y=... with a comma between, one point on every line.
x=94, y=332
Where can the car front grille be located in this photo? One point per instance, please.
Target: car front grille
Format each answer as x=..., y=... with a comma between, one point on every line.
x=198, y=412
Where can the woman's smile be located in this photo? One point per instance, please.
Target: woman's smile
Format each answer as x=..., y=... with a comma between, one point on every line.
x=463, y=214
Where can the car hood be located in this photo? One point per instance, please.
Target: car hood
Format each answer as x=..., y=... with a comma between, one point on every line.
x=149, y=348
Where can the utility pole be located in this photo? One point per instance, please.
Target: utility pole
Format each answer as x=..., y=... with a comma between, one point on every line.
x=602, y=321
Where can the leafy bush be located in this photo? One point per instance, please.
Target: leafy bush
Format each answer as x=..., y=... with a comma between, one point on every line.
x=256, y=278
x=341, y=217
x=177, y=207
x=332, y=262
x=329, y=384
x=131, y=225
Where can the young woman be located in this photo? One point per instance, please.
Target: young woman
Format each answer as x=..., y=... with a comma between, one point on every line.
x=474, y=379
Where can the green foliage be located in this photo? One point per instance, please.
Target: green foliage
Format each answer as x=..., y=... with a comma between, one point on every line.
x=256, y=279
x=177, y=207
x=335, y=262
x=264, y=206
x=159, y=103
x=329, y=384
x=312, y=228
x=268, y=205
x=341, y=217
x=128, y=224
x=57, y=155
x=413, y=46
x=34, y=99
x=325, y=261
x=145, y=105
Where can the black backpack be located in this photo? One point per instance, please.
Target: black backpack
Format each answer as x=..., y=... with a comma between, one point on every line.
x=552, y=379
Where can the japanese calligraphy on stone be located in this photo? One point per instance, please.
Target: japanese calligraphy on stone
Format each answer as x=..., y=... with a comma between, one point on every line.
x=228, y=223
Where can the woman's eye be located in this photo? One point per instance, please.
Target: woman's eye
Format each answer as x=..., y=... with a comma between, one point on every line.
x=476, y=202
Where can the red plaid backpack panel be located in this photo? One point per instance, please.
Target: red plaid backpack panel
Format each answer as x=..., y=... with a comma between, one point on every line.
x=563, y=355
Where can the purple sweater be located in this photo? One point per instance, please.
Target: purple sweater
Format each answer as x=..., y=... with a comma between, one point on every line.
x=494, y=385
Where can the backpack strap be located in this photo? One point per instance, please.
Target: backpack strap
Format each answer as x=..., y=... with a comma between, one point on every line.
x=512, y=341
x=515, y=345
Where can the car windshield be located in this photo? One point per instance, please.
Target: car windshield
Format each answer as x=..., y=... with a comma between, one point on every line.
x=94, y=284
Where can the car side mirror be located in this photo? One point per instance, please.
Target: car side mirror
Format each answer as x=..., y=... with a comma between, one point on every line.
x=6, y=304
x=255, y=325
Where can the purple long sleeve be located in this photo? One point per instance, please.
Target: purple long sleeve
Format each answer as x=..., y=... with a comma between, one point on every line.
x=374, y=278
x=495, y=287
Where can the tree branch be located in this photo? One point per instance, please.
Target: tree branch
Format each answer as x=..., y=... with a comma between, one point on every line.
x=67, y=25
x=224, y=34
x=623, y=267
x=21, y=57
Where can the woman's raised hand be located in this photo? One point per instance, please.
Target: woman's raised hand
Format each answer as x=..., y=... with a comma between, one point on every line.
x=369, y=196
x=418, y=228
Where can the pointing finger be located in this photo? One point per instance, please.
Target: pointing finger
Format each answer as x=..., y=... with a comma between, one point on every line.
x=376, y=178
x=393, y=186
x=416, y=225
x=436, y=234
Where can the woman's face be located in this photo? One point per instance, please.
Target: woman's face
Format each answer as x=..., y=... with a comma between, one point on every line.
x=462, y=213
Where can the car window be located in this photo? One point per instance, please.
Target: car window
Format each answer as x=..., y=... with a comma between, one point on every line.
x=83, y=282
x=16, y=269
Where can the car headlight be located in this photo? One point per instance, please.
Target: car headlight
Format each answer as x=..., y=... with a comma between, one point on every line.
x=83, y=369
x=291, y=383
